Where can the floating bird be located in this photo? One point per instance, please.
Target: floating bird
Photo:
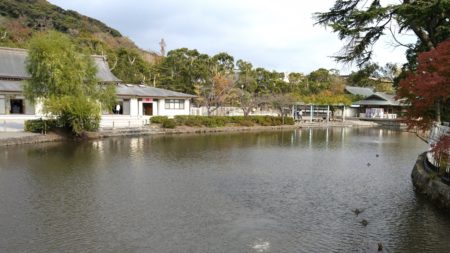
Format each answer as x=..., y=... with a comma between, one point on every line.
x=364, y=222
x=368, y=164
x=380, y=246
x=377, y=155
x=357, y=211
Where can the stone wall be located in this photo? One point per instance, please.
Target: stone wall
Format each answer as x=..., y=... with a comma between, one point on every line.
x=29, y=138
x=430, y=184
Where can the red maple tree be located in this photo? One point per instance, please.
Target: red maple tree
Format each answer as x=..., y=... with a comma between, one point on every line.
x=428, y=88
x=441, y=148
x=428, y=91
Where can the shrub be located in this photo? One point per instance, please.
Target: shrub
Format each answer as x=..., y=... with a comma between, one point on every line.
x=289, y=121
x=158, y=119
x=169, y=123
x=79, y=114
x=262, y=120
x=247, y=123
x=220, y=121
x=40, y=125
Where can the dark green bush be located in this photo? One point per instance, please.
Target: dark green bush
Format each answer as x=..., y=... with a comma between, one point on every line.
x=192, y=121
x=220, y=121
x=169, y=123
x=247, y=123
x=215, y=121
x=40, y=125
x=158, y=119
x=289, y=121
x=263, y=120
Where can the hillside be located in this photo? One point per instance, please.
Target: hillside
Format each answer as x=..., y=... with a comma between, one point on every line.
x=20, y=19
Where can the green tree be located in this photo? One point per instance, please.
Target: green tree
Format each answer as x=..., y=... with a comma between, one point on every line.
x=318, y=80
x=367, y=75
x=64, y=79
x=246, y=86
x=361, y=23
x=223, y=63
x=130, y=67
x=182, y=69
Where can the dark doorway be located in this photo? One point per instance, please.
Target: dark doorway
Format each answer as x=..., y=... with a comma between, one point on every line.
x=118, y=108
x=148, y=108
x=17, y=106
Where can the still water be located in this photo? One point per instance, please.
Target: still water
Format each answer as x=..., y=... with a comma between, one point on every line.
x=286, y=191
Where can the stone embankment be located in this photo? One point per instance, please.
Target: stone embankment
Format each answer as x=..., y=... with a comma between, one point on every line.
x=428, y=183
x=16, y=138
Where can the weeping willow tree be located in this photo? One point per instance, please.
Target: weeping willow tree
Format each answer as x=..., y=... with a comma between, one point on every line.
x=64, y=79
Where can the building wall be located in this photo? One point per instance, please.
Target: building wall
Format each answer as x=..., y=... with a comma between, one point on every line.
x=134, y=107
x=27, y=107
x=173, y=112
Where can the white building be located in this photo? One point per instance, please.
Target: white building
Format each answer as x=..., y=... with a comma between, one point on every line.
x=135, y=106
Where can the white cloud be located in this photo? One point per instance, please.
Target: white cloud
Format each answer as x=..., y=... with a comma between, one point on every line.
x=271, y=34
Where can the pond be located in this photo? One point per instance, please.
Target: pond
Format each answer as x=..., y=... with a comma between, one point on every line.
x=285, y=191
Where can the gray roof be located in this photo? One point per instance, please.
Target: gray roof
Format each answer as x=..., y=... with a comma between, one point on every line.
x=121, y=90
x=11, y=86
x=380, y=98
x=103, y=72
x=13, y=65
x=361, y=91
x=147, y=91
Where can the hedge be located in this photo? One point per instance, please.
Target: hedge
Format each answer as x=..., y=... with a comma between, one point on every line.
x=221, y=121
x=158, y=119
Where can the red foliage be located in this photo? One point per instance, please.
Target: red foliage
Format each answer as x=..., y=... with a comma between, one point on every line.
x=429, y=84
x=442, y=147
x=19, y=31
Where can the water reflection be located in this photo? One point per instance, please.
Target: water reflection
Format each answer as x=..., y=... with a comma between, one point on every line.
x=285, y=191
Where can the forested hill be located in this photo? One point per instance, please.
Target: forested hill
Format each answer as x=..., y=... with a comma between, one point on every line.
x=20, y=19
x=39, y=14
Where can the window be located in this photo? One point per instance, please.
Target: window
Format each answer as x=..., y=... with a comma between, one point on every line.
x=174, y=104
x=16, y=106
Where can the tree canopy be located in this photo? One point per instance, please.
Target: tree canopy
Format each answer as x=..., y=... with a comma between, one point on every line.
x=361, y=23
x=65, y=80
x=428, y=88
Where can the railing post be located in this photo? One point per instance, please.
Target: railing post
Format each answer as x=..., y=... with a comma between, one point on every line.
x=343, y=114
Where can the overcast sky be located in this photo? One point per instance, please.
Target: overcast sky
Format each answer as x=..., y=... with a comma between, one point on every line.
x=274, y=34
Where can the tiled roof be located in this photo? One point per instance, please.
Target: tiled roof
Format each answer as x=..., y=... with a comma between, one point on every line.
x=380, y=98
x=147, y=91
x=13, y=65
x=103, y=72
x=11, y=86
x=361, y=91
x=121, y=90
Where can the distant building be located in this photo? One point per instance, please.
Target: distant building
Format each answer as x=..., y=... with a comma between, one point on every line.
x=375, y=105
x=136, y=103
x=381, y=105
